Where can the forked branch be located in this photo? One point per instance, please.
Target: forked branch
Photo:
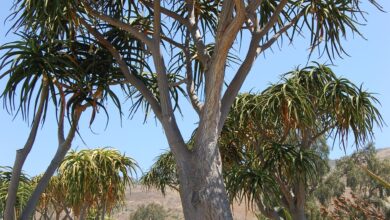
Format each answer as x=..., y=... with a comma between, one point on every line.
x=254, y=51
x=125, y=69
x=117, y=23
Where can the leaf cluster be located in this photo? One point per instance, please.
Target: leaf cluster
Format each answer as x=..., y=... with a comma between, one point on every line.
x=24, y=192
x=311, y=102
x=96, y=178
x=125, y=28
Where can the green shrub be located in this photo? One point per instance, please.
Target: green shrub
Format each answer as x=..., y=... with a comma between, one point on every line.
x=151, y=211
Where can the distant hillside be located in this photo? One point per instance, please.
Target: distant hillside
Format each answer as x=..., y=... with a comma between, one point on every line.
x=383, y=153
x=140, y=196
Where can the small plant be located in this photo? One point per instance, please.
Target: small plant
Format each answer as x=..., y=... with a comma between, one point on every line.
x=151, y=211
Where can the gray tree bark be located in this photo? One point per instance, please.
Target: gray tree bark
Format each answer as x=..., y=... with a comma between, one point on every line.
x=63, y=147
x=44, y=181
x=298, y=214
x=202, y=189
x=21, y=156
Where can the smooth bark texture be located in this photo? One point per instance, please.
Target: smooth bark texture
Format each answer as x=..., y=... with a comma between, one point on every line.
x=21, y=156
x=202, y=190
x=43, y=182
x=298, y=214
x=295, y=197
x=63, y=148
x=104, y=212
x=208, y=190
x=202, y=187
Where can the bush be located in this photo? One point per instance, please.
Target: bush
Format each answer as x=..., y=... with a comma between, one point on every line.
x=151, y=211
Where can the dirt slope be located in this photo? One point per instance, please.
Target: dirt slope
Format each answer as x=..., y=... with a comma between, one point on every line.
x=383, y=153
x=140, y=196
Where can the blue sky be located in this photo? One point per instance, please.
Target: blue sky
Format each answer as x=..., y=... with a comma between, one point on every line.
x=368, y=64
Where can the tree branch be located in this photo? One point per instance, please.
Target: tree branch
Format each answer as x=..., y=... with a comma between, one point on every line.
x=286, y=193
x=172, y=42
x=196, y=104
x=176, y=84
x=162, y=80
x=60, y=130
x=189, y=81
x=73, y=127
x=319, y=134
x=204, y=57
x=239, y=78
x=253, y=5
x=125, y=70
x=229, y=27
x=274, y=18
x=243, y=71
x=225, y=17
x=162, y=110
x=252, y=16
x=281, y=31
x=117, y=23
x=168, y=121
x=169, y=40
x=169, y=13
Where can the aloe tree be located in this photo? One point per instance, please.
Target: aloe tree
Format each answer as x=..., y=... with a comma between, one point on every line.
x=253, y=169
x=307, y=104
x=75, y=76
x=196, y=37
x=33, y=68
x=272, y=144
x=96, y=179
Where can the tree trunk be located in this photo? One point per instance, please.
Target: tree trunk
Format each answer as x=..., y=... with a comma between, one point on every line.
x=58, y=215
x=202, y=189
x=44, y=181
x=21, y=156
x=103, y=211
x=267, y=212
x=298, y=214
x=63, y=147
x=67, y=214
x=84, y=212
